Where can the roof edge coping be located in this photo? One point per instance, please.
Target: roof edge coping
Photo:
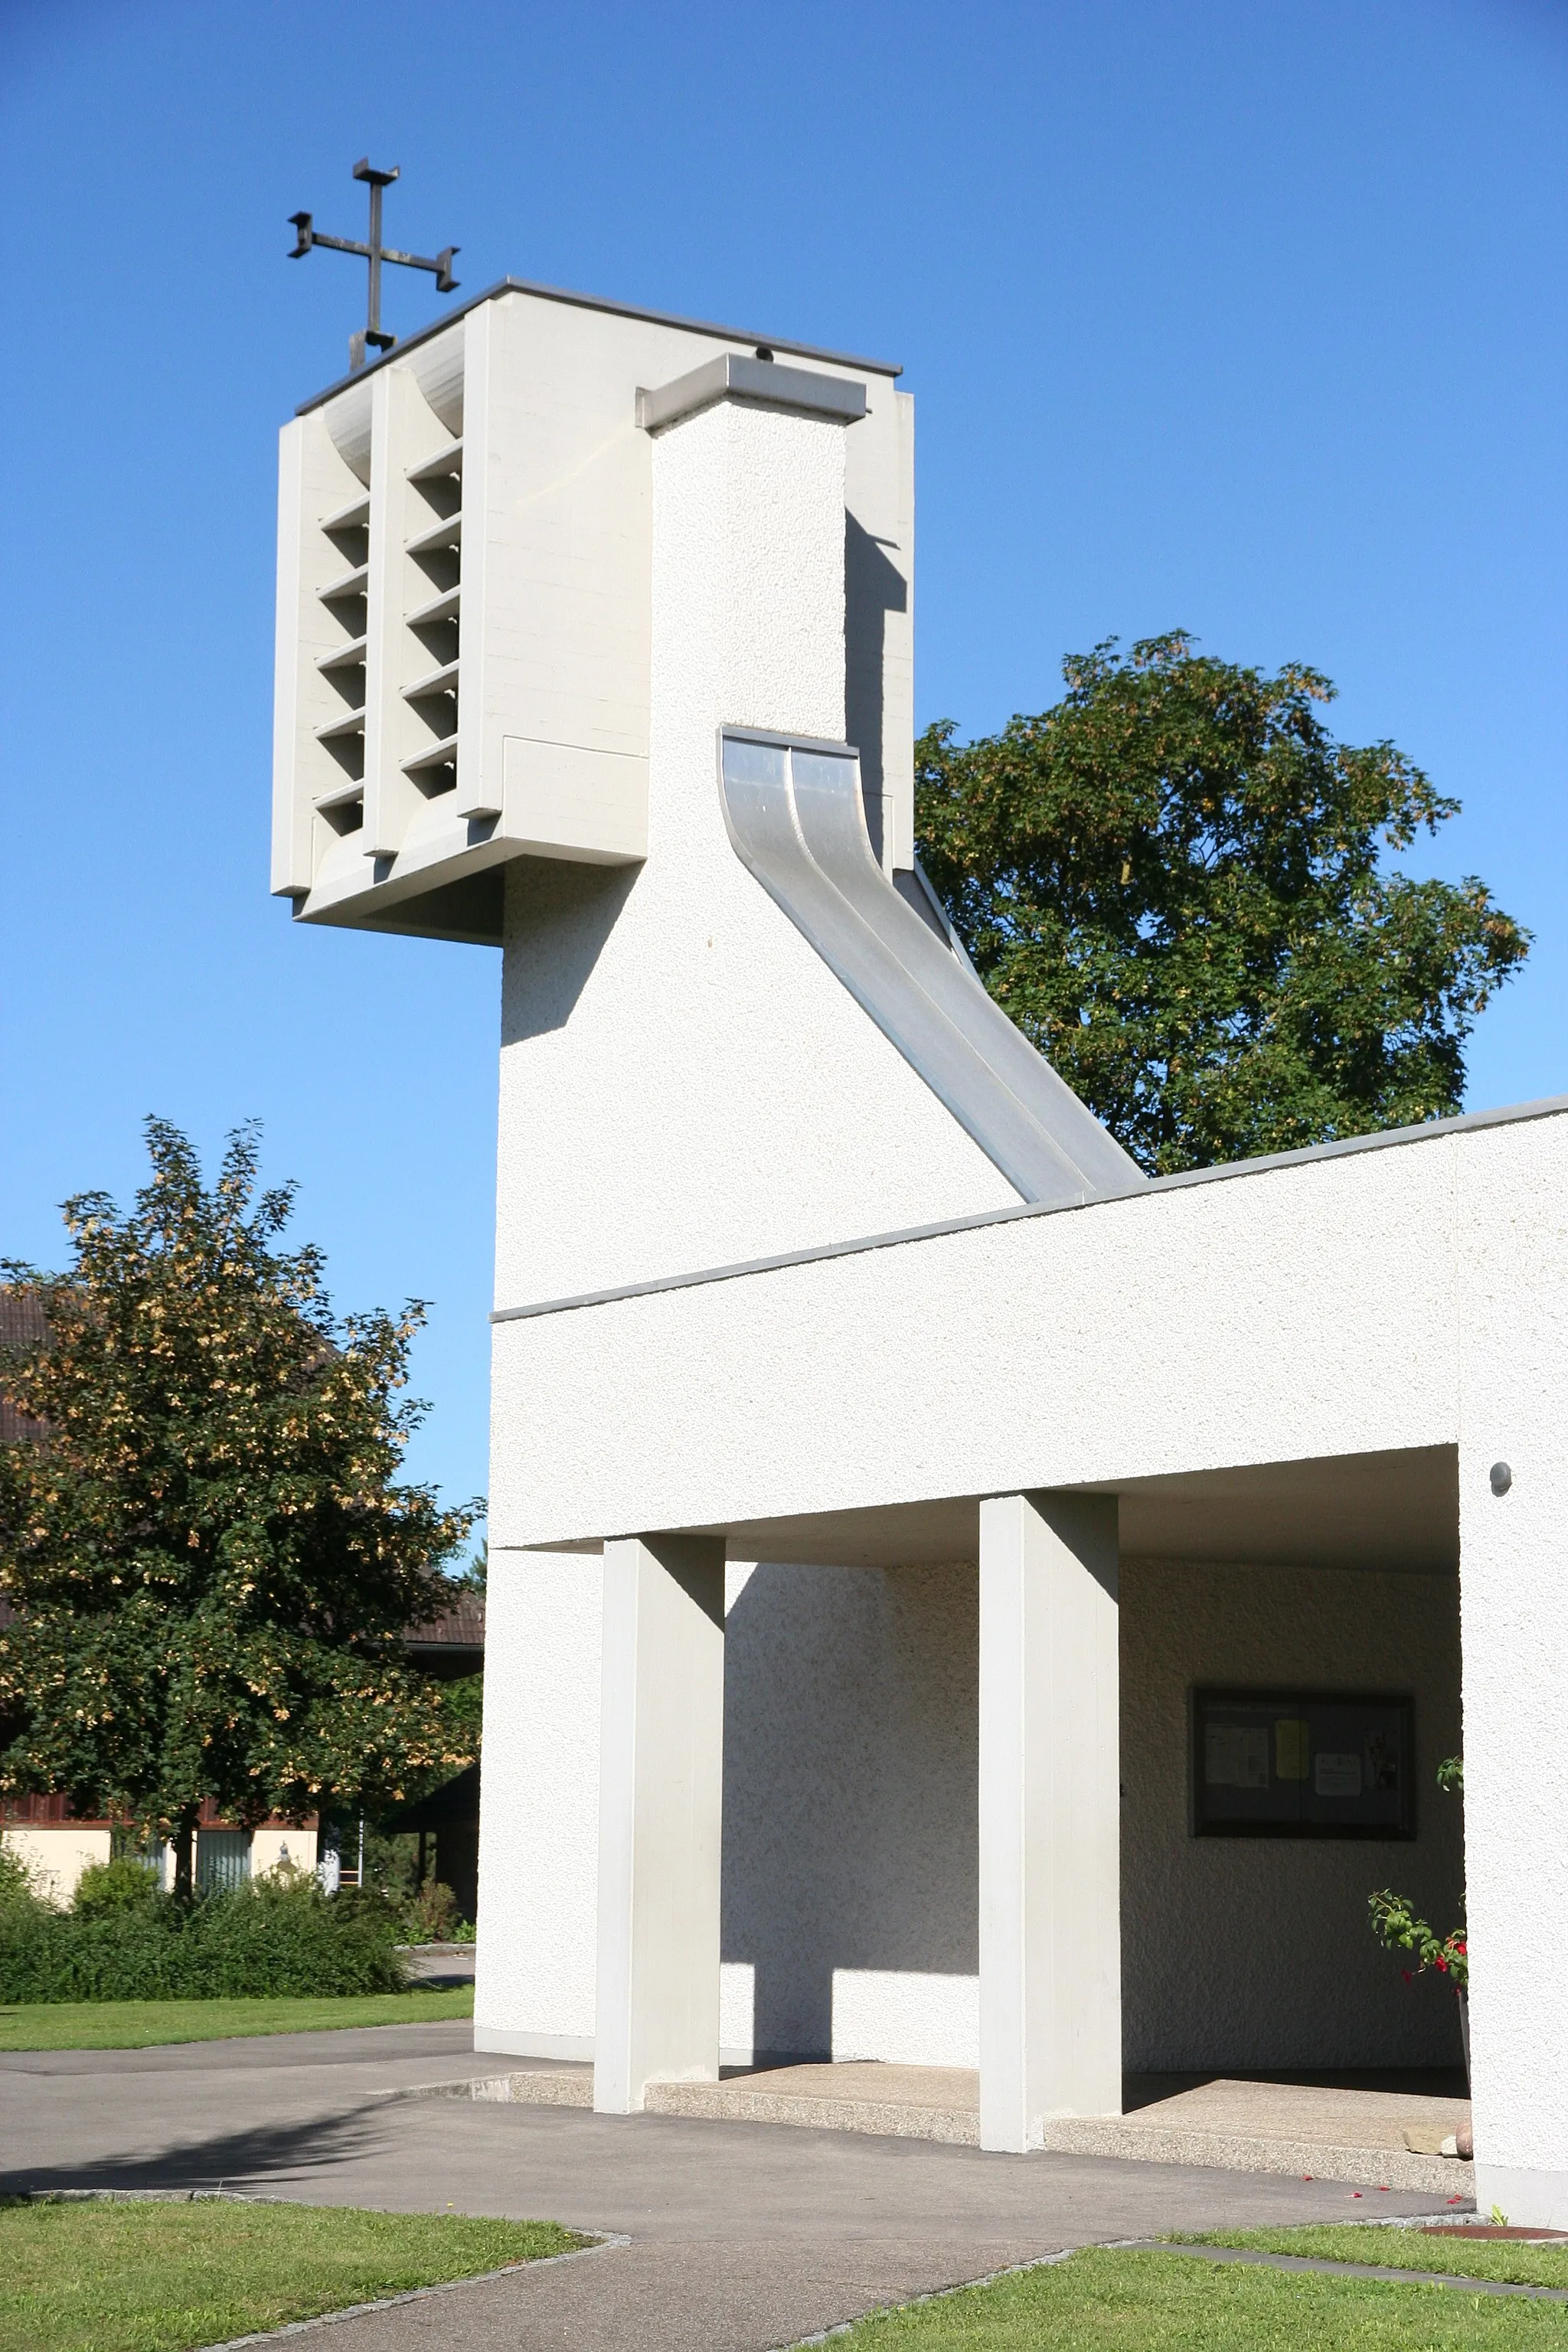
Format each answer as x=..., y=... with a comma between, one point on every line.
x=596, y=302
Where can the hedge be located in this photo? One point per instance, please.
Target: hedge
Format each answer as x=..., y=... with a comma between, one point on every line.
x=271, y=1936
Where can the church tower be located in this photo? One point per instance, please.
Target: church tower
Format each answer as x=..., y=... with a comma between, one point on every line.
x=595, y=636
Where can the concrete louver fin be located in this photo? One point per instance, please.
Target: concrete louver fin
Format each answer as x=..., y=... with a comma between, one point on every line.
x=796, y=819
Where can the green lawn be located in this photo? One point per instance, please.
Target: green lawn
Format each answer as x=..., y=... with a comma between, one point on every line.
x=139, y=2024
x=1408, y=2250
x=1101, y=2301
x=162, y=2278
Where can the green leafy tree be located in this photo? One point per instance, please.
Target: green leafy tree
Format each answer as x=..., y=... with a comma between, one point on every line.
x=1399, y=1927
x=1172, y=881
x=208, y=1560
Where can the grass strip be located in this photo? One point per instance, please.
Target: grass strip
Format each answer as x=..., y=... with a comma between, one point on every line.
x=155, y=2277
x=145, y=2024
x=1102, y=2301
x=1404, y=2249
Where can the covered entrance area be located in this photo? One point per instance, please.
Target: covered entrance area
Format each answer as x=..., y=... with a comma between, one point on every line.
x=959, y=1879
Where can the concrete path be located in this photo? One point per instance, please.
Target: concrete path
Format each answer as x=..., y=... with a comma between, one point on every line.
x=744, y=2237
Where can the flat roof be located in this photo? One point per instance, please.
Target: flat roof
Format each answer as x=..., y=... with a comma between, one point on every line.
x=597, y=302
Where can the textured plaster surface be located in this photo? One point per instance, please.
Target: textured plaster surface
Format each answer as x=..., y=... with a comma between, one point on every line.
x=850, y=1741
x=850, y=1695
x=849, y=1896
x=683, y=1080
x=1300, y=1312
x=1256, y=1952
x=1514, y=1550
x=1406, y=1297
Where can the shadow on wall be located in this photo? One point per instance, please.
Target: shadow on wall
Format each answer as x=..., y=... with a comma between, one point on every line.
x=851, y=1732
x=851, y=1803
x=873, y=587
x=559, y=918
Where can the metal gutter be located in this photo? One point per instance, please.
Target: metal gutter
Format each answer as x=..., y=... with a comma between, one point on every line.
x=1392, y=1138
x=796, y=818
x=831, y=816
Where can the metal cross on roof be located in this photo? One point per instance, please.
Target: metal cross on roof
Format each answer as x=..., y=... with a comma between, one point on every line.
x=376, y=252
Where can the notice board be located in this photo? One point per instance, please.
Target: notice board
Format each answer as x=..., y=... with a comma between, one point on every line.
x=1283, y=1763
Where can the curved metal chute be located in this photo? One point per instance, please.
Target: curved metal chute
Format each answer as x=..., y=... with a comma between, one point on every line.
x=796, y=818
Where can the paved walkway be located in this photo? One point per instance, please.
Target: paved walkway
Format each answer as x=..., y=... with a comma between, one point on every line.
x=744, y=2237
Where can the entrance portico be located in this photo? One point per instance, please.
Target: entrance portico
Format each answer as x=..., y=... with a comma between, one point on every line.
x=864, y=1834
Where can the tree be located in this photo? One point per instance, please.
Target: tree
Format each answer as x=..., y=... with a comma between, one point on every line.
x=208, y=1561
x=1171, y=881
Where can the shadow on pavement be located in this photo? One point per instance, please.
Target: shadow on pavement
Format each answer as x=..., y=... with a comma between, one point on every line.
x=253, y=2159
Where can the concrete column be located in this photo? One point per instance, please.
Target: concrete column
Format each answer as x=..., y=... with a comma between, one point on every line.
x=661, y=1765
x=539, y=1806
x=1051, y=1925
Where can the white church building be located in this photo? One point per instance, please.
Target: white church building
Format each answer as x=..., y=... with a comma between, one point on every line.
x=954, y=1599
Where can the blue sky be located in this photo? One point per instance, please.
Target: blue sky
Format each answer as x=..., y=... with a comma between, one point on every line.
x=1248, y=316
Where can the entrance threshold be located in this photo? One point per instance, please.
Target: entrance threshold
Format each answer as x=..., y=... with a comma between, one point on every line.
x=1369, y=2130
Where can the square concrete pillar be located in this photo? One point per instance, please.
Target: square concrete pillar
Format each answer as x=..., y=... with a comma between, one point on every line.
x=1051, y=1925
x=661, y=1765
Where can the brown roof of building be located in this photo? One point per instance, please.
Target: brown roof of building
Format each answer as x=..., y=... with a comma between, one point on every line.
x=460, y=1626
x=21, y=1324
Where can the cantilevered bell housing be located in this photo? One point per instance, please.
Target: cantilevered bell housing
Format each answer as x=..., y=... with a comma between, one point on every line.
x=463, y=605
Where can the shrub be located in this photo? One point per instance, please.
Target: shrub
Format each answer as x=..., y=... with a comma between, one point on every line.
x=18, y=1884
x=274, y=1936
x=125, y=1884
x=432, y=1917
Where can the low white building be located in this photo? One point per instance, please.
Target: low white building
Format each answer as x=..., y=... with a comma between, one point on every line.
x=953, y=1599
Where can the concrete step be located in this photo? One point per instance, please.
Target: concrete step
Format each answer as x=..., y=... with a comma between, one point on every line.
x=1316, y=2159
x=556, y=2086
x=889, y=2118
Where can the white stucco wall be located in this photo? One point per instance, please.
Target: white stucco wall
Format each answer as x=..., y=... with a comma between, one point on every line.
x=1412, y=1296
x=683, y=1080
x=56, y=1856
x=269, y=1848
x=1297, y=1312
x=1514, y=1342
x=850, y=1695
x=1256, y=1952
x=849, y=1857
x=849, y=1896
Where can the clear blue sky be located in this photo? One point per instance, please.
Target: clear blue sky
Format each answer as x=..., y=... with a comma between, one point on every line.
x=1242, y=315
